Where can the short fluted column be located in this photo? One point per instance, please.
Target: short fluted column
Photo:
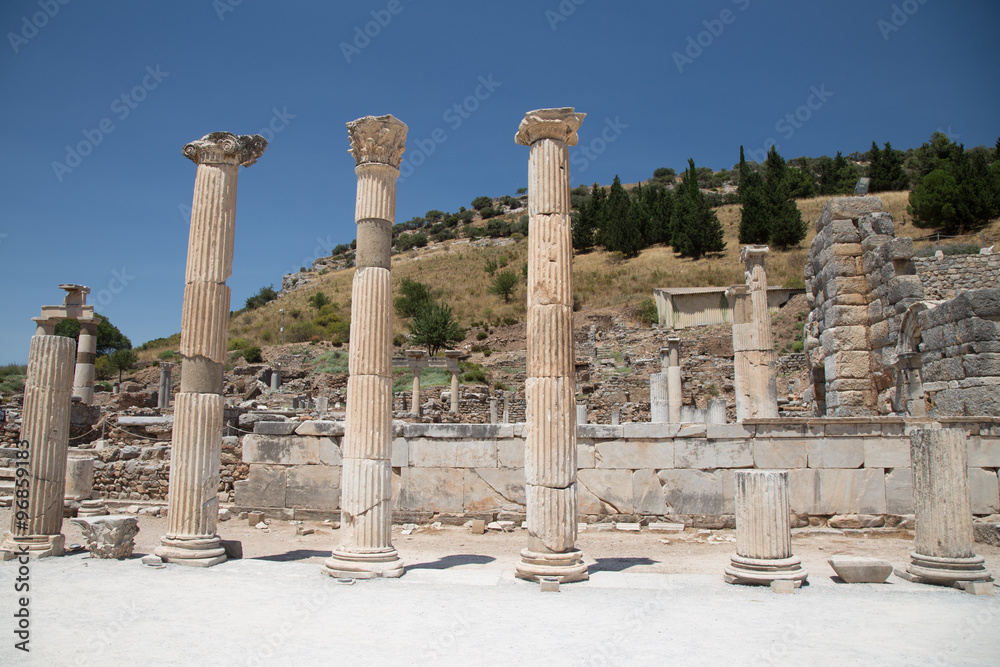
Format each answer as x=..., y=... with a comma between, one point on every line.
x=197, y=433
x=163, y=396
x=550, y=442
x=366, y=551
x=86, y=357
x=943, y=548
x=45, y=428
x=763, y=531
x=753, y=341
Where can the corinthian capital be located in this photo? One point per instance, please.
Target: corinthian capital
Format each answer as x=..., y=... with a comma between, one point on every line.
x=377, y=139
x=226, y=148
x=559, y=124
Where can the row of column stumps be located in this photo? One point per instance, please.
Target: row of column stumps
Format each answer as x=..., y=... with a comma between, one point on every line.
x=366, y=551
x=196, y=442
x=550, y=430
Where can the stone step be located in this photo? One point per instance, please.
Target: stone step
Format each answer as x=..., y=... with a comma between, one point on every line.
x=6, y=473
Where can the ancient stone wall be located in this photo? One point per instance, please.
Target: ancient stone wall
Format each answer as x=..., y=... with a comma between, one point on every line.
x=959, y=342
x=686, y=472
x=860, y=279
x=949, y=276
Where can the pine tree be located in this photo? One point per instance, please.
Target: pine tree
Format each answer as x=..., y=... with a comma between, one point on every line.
x=661, y=205
x=895, y=176
x=786, y=227
x=621, y=232
x=754, y=218
x=697, y=230
x=585, y=225
x=598, y=209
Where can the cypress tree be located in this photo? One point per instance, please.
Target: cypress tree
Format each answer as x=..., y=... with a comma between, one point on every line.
x=621, y=231
x=598, y=204
x=754, y=218
x=876, y=170
x=697, y=230
x=786, y=227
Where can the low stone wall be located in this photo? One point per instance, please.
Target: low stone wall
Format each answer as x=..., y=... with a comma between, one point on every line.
x=949, y=276
x=686, y=472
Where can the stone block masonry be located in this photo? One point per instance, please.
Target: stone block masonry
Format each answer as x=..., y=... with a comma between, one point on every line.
x=857, y=466
x=949, y=276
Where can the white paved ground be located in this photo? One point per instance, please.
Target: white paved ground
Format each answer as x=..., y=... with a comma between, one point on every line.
x=253, y=612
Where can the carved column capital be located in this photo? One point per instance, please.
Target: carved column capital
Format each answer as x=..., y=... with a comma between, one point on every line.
x=559, y=124
x=226, y=148
x=378, y=140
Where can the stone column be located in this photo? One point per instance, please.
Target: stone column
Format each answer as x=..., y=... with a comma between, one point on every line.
x=163, y=397
x=943, y=548
x=659, y=399
x=276, y=377
x=416, y=358
x=550, y=433
x=45, y=426
x=581, y=413
x=763, y=531
x=765, y=384
x=86, y=355
x=494, y=416
x=616, y=416
x=197, y=434
x=913, y=391
x=377, y=144
x=674, y=395
x=453, y=356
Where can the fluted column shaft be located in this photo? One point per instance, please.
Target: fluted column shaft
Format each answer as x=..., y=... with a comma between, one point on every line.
x=659, y=398
x=454, y=391
x=416, y=390
x=763, y=530
x=366, y=550
x=163, y=396
x=550, y=442
x=943, y=548
x=198, y=412
x=86, y=356
x=675, y=396
x=45, y=427
x=756, y=342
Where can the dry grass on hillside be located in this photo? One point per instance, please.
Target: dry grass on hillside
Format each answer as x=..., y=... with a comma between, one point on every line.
x=455, y=271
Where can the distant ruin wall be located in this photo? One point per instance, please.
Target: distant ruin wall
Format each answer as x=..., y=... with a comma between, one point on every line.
x=949, y=276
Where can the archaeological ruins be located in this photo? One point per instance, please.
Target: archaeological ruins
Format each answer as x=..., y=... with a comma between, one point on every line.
x=895, y=422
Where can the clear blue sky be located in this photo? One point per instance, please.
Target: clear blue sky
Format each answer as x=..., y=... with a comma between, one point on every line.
x=116, y=218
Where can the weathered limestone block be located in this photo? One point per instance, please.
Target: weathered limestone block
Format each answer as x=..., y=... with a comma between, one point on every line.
x=984, y=452
x=711, y=454
x=983, y=491
x=489, y=489
x=313, y=487
x=763, y=532
x=886, y=452
x=263, y=487
x=647, y=493
x=861, y=569
x=318, y=427
x=434, y=453
x=837, y=491
x=780, y=453
x=696, y=491
x=605, y=491
x=899, y=491
x=432, y=489
x=943, y=548
x=280, y=449
x=635, y=454
x=836, y=453
x=109, y=536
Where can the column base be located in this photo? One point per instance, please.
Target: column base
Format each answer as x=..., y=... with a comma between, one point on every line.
x=364, y=565
x=193, y=552
x=762, y=571
x=92, y=508
x=35, y=546
x=946, y=571
x=567, y=566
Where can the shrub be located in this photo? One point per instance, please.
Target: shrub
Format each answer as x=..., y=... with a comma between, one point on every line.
x=413, y=298
x=237, y=344
x=318, y=300
x=479, y=203
x=797, y=346
x=300, y=332
x=264, y=295
x=509, y=321
x=252, y=355
x=504, y=285
x=482, y=335
x=488, y=212
x=474, y=374
x=497, y=228
x=168, y=355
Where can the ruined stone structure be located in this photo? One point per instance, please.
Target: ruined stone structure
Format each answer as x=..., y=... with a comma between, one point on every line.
x=452, y=356
x=753, y=346
x=763, y=532
x=659, y=400
x=417, y=359
x=944, y=540
x=674, y=395
x=75, y=302
x=163, y=395
x=550, y=442
x=869, y=307
x=197, y=432
x=377, y=144
x=949, y=276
